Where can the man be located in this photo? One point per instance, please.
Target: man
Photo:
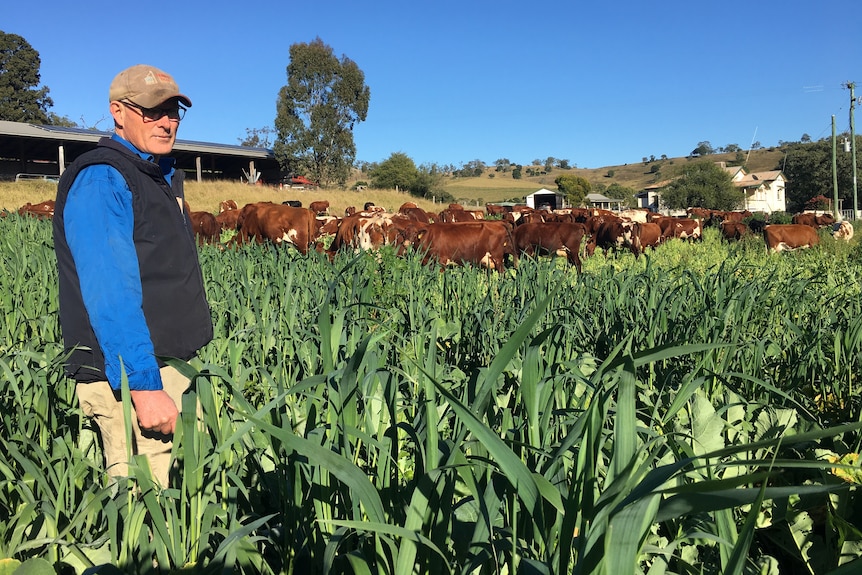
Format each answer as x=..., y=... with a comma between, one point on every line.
x=131, y=289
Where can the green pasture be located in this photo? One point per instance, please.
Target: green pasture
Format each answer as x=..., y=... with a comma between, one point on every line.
x=693, y=411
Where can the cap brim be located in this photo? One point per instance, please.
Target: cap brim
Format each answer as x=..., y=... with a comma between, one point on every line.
x=156, y=100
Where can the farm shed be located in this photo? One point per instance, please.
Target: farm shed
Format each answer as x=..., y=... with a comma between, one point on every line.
x=544, y=197
x=40, y=150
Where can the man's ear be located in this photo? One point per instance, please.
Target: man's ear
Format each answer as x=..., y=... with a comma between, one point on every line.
x=118, y=112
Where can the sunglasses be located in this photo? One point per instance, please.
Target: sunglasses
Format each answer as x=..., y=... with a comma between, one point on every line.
x=154, y=114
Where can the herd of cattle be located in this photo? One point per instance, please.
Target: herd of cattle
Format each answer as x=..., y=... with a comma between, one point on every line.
x=489, y=237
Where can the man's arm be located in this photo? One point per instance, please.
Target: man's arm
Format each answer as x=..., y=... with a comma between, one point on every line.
x=99, y=224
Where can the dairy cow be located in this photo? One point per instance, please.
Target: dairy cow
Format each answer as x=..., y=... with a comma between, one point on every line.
x=550, y=238
x=483, y=243
x=277, y=223
x=782, y=237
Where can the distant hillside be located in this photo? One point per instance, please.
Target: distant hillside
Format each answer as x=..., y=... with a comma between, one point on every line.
x=499, y=186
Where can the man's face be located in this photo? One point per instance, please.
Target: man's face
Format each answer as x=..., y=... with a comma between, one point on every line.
x=150, y=130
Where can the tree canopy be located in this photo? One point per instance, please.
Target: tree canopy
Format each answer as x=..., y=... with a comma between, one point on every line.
x=399, y=172
x=808, y=168
x=316, y=112
x=702, y=184
x=21, y=98
x=257, y=137
x=575, y=187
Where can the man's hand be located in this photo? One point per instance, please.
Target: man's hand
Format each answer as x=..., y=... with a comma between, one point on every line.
x=156, y=411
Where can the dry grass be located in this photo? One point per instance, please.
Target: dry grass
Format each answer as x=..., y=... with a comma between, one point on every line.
x=205, y=196
x=13, y=195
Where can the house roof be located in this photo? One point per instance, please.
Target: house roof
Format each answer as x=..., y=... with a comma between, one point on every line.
x=545, y=192
x=733, y=170
x=599, y=198
x=756, y=179
x=658, y=185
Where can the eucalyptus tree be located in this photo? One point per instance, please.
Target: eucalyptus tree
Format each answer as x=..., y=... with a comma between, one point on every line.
x=324, y=98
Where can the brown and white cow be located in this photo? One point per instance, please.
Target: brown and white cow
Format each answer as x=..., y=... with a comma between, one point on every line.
x=205, y=227
x=645, y=235
x=414, y=212
x=227, y=205
x=364, y=231
x=484, y=243
x=682, y=228
x=843, y=231
x=42, y=210
x=550, y=238
x=781, y=237
x=277, y=223
x=459, y=214
x=734, y=231
x=227, y=219
x=610, y=234
x=319, y=207
x=635, y=214
x=814, y=220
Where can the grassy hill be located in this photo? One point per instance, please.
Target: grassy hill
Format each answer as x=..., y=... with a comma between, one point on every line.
x=490, y=187
x=501, y=186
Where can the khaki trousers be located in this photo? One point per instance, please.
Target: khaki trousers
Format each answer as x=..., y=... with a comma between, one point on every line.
x=98, y=401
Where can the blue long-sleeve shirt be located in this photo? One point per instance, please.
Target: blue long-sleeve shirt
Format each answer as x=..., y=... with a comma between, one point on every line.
x=99, y=223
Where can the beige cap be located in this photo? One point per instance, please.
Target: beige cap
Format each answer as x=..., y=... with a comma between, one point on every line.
x=145, y=86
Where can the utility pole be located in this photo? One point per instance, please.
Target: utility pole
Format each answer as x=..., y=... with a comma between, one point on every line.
x=834, y=174
x=852, y=87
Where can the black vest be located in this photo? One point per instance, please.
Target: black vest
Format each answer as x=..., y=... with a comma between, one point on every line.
x=174, y=301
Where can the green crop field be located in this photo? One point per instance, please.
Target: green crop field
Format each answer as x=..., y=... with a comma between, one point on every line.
x=693, y=411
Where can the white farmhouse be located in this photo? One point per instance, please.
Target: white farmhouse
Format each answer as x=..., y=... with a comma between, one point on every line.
x=764, y=191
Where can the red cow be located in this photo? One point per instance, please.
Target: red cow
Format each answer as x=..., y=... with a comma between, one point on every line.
x=731, y=230
x=266, y=221
x=412, y=211
x=700, y=213
x=789, y=237
x=227, y=219
x=319, y=207
x=42, y=210
x=495, y=210
x=549, y=238
x=452, y=215
x=483, y=243
x=645, y=235
x=205, y=227
x=813, y=220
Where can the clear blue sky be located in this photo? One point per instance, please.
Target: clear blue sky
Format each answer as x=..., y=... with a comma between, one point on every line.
x=597, y=83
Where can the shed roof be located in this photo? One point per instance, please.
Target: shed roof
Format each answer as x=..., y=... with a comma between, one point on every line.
x=34, y=142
